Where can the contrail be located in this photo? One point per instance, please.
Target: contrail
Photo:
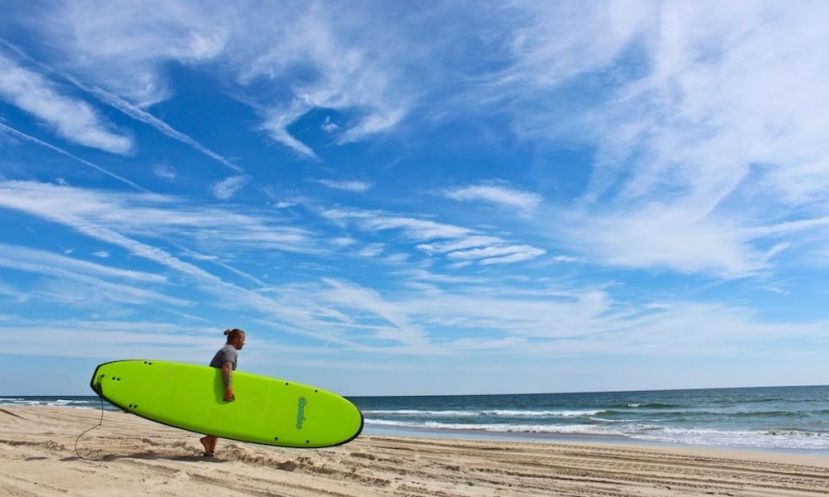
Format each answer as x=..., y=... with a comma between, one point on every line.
x=145, y=117
x=24, y=136
x=127, y=108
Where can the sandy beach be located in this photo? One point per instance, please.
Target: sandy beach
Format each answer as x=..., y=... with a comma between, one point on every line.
x=131, y=456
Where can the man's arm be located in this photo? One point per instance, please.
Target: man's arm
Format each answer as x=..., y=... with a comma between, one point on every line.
x=227, y=374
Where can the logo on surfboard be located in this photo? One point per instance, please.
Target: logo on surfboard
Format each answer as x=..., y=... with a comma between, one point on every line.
x=300, y=412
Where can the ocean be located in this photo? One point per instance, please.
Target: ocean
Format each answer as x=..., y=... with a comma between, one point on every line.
x=785, y=418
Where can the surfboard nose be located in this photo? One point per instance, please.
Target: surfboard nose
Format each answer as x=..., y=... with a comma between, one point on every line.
x=97, y=381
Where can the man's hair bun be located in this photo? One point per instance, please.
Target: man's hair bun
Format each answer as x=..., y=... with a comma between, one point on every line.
x=233, y=333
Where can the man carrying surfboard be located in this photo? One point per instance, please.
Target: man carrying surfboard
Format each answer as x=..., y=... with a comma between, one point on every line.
x=225, y=359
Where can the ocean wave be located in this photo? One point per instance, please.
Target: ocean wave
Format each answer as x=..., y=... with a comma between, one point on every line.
x=752, y=401
x=761, y=439
x=567, y=413
x=418, y=412
x=645, y=405
x=769, y=439
x=488, y=427
x=53, y=402
x=680, y=414
x=512, y=413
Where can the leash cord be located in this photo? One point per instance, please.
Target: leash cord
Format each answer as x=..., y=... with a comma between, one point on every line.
x=88, y=430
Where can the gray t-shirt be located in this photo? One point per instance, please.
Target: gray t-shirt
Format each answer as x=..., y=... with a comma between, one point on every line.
x=228, y=353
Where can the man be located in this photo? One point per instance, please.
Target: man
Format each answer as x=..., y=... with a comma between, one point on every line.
x=225, y=359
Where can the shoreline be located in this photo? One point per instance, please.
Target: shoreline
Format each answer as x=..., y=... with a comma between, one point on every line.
x=487, y=435
x=130, y=456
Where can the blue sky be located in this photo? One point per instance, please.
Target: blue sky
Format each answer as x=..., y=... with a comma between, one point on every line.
x=448, y=197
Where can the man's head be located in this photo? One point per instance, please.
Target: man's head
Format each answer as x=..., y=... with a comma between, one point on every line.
x=236, y=337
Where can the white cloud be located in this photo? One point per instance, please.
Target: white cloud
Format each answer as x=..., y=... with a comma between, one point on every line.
x=71, y=288
x=541, y=320
x=438, y=238
x=329, y=126
x=103, y=254
x=165, y=171
x=42, y=258
x=496, y=251
x=351, y=296
x=126, y=45
x=459, y=244
x=131, y=222
x=524, y=201
x=145, y=117
x=115, y=217
x=471, y=316
x=416, y=229
x=110, y=339
x=125, y=107
x=344, y=64
x=347, y=185
x=371, y=250
x=546, y=50
x=71, y=118
x=229, y=187
x=523, y=254
x=19, y=134
x=276, y=124
x=397, y=258
x=707, y=119
x=566, y=258
x=343, y=241
x=663, y=237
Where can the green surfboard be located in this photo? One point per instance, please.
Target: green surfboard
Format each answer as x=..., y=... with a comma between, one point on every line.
x=266, y=410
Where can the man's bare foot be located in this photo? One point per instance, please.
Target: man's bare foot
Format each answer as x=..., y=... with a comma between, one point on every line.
x=208, y=446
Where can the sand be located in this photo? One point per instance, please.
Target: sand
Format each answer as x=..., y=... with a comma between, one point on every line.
x=137, y=457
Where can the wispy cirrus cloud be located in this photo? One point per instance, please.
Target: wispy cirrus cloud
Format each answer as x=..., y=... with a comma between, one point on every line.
x=523, y=201
x=705, y=124
x=71, y=118
x=725, y=141
x=134, y=222
x=431, y=237
x=228, y=187
x=67, y=287
x=23, y=136
x=141, y=115
x=124, y=106
x=115, y=217
x=109, y=338
x=165, y=171
x=660, y=236
x=350, y=296
x=498, y=254
x=342, y=69
x=413, y=228
x=539, y=320
x=42, y=258
x=123, y=52
x=355, y=186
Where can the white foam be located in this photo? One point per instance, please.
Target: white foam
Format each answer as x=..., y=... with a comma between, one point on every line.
x=564, y=414
x=420, y=413
x=489, y=412
x=779, y=439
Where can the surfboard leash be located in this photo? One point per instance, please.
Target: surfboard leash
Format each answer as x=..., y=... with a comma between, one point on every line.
x=88, y=430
